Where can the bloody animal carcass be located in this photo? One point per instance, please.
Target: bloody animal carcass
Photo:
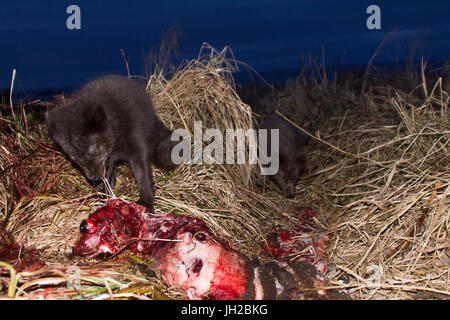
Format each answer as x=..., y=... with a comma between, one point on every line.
x=190, y=256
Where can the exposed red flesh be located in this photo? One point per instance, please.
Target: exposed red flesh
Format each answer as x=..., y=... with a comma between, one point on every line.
x=22, y=259
x=304, y=242
x=190, y=256
x=205, y=268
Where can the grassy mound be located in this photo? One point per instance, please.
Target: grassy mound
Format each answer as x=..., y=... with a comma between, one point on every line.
x=378, y=176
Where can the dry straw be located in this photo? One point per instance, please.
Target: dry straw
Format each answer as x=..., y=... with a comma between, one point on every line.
x=378, y=177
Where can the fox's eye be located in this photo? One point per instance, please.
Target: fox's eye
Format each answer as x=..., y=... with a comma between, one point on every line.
x=93, y=150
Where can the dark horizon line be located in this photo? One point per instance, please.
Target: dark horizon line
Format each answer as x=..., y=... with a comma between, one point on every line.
x=242, y=77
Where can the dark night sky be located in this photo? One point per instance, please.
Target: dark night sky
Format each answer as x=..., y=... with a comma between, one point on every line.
x=268, y=35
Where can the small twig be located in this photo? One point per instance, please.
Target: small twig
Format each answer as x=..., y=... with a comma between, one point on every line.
x=314, y=137
x=126, y=63
x=406, y=243
x=108, y=288
x=18, y=162
x=12, y=279
x=132, y=240
x=108, y=187
x=25, y=119
x=11, y=92
x=369, y=65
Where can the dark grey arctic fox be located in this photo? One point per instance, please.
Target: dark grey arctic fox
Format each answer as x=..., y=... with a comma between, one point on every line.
x=292, y=158
x=108, y=121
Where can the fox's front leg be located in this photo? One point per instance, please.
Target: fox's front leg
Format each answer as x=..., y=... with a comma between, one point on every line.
x=110, y=171
x=143, y=173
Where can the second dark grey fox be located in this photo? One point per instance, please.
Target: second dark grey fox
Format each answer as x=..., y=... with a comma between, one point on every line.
x=108, y=121
x=292, y=158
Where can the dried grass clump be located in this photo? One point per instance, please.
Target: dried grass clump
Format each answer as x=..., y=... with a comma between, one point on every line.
x=383, y=180
x=203, y=90
x=378, y=175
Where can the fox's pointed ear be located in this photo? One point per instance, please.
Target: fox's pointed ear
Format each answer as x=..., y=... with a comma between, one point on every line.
x=95, y=118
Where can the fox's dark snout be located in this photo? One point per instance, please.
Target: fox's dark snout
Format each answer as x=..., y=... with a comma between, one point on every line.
x=290, y=195
x=92, y=172
x=288, y=190
x=96, y=180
